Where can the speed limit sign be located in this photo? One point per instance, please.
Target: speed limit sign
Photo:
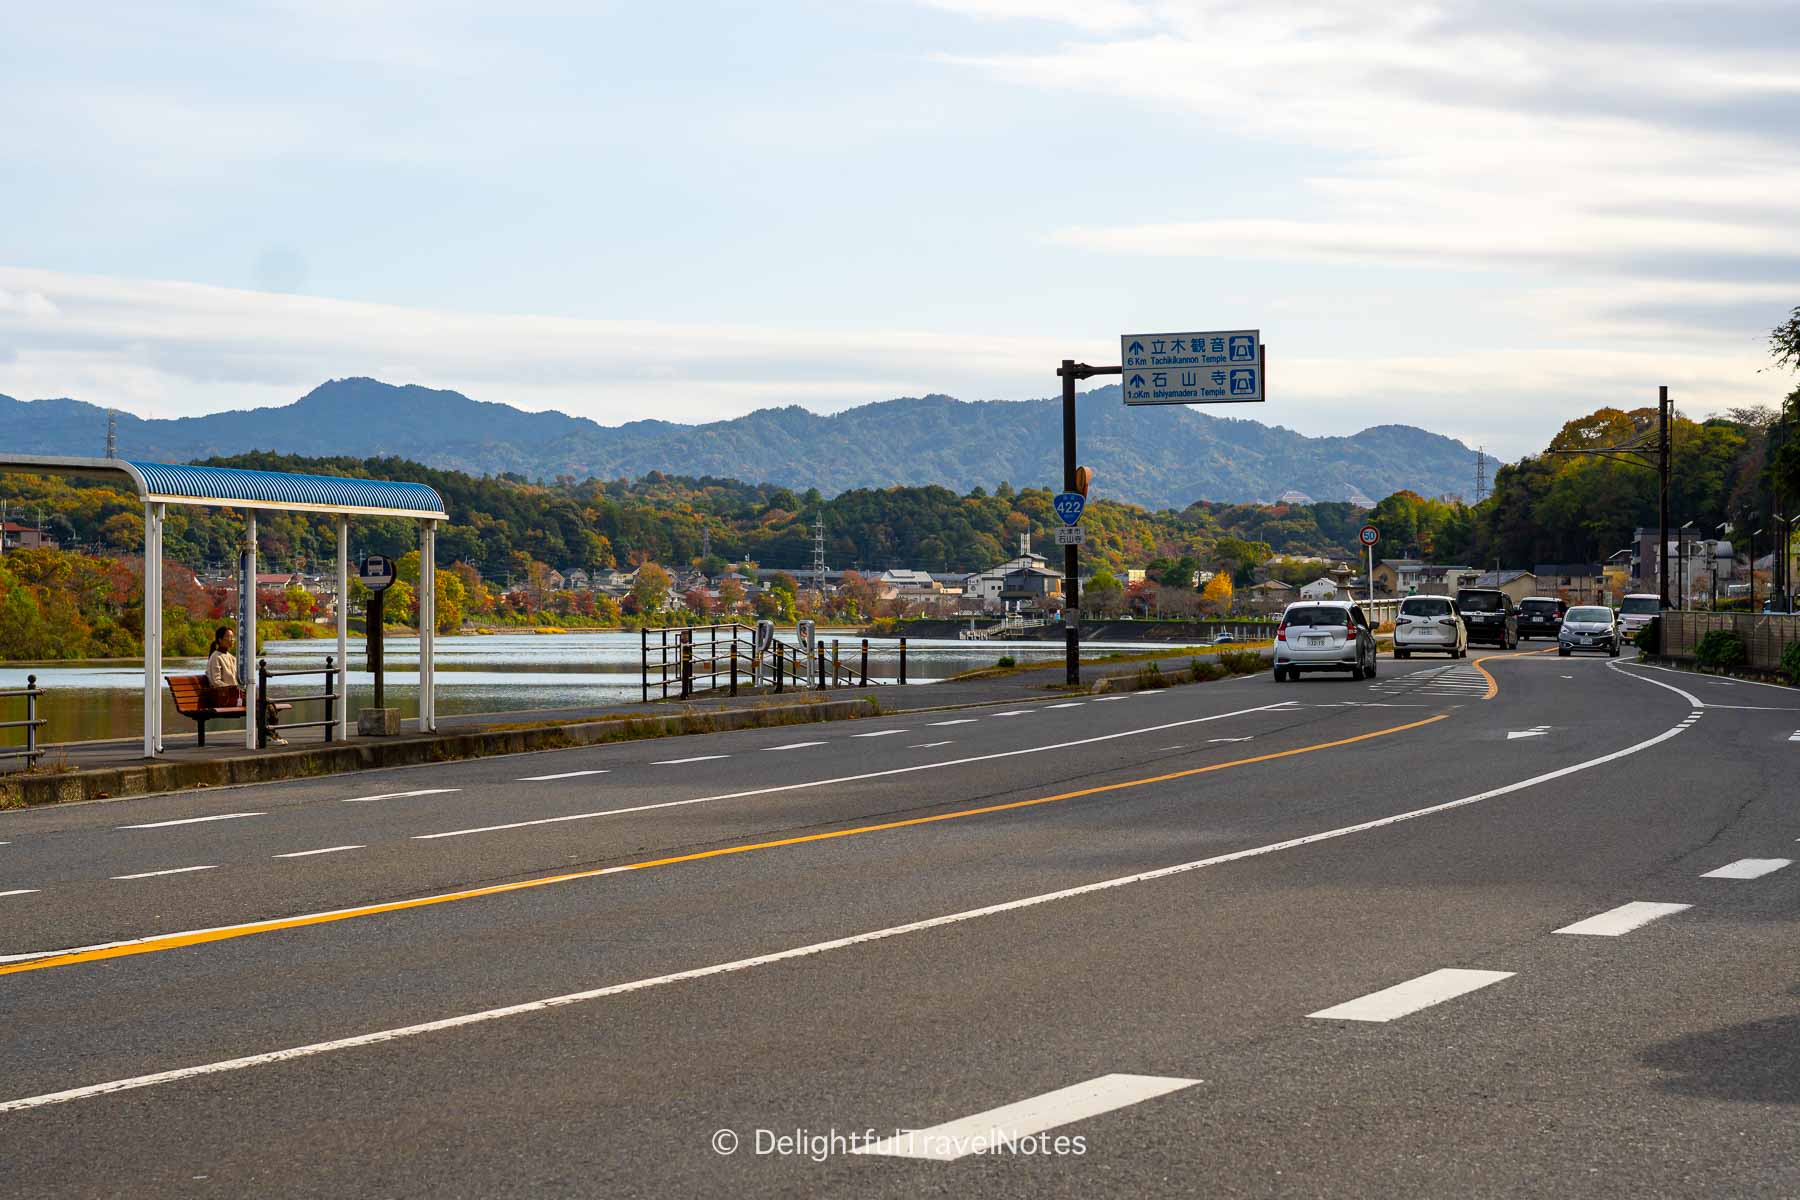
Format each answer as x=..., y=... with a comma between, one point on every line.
x=1370, y=535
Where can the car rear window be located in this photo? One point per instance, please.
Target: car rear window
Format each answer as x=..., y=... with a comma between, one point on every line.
x=1480, y=601
x=1426, y=606
x=1317, y=616
x=1539, y=606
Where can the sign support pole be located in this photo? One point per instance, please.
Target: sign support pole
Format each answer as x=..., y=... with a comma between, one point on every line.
x=1070, y=371
x=1071, y=552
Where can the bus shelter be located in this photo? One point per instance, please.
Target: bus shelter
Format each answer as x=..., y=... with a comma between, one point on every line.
x=159, y=485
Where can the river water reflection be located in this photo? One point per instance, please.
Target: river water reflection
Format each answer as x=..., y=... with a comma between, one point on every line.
x=476, y=674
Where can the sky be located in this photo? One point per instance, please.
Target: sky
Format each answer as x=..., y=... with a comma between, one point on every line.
x=1484, y=219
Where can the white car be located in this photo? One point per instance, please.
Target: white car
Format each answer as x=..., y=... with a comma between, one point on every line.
x=1324, y=635
x=1430, y=624
x=1635, y=612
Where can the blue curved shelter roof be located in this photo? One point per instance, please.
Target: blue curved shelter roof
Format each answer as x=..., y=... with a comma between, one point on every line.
x=278, y=488
x=233, y=487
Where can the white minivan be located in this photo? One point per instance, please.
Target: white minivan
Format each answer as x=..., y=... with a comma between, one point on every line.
x=1431, y=624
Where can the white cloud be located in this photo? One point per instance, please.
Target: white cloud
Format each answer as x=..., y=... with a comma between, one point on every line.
x=1457, y=134
x=177, y=349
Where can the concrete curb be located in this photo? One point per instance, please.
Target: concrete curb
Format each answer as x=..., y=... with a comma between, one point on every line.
x=23, y=791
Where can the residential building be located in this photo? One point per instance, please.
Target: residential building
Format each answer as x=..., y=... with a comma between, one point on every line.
x=1387, y=574
x=1579, y=583
x=1032, y=589
x=1271, y=596
x=14, y=536
x=1321, y=589
x=1517, y=584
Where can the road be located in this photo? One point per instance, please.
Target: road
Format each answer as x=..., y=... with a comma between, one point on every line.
x=1512, y=926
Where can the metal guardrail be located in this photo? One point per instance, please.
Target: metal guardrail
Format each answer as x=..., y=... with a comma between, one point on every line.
x=676, y=661
x=31, y=724
x=330, y=698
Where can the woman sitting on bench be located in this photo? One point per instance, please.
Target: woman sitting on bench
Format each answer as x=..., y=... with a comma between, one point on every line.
x=222, y=690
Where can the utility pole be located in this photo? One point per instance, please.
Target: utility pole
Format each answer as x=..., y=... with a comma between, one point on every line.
x=1662, y=541
x=1649, y=449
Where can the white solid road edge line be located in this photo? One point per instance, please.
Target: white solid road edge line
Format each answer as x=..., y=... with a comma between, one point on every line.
x=761, y=960
x=999, y=1128
x=1623, y=919
x=1434, y=987
x=1749, y=868
x=192, y=820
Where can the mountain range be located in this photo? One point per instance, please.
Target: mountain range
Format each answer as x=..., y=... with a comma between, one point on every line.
x=1161, y=457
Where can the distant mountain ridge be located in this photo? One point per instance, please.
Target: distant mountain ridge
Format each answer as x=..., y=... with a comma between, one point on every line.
x=1164, y=457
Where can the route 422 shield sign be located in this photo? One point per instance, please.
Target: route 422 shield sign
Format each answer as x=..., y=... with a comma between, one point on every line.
x=1068, y=506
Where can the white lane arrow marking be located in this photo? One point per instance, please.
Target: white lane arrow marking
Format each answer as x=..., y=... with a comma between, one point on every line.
x=1538, y=731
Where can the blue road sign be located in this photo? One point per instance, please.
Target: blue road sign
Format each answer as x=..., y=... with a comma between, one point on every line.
x=1192, y=368
x=1068, y=506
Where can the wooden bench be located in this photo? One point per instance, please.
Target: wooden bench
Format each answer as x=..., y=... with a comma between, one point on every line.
x=190, y=701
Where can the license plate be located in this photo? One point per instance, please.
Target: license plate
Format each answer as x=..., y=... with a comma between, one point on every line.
x=1315, y=641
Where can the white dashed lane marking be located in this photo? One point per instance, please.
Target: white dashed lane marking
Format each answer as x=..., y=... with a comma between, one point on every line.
x=929, y=745
x=1402, y=999
x=676, y=762
x=879, y=733
x=1067, y=704
x=310, y=853
x=562, y=775
x=1016, y=712
x=193, y=820
x=797, y=745
x=1749, y=868
x=170, y=871
x=958, y=721
x=1623, y=919
x=991, y=1129
x=401, y=795
x=19, y=892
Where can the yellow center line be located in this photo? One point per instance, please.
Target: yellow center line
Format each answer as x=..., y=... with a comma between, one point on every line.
x=1493, y=688
x=197, y=937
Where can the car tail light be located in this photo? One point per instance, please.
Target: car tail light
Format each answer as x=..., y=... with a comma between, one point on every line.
x=1350, y=627
x=1281, y=632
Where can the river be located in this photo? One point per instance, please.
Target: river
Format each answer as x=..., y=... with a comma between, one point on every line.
x=506, y=672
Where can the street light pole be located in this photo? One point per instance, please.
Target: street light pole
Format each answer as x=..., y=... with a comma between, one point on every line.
x=1682, y=550
x=1753, y=534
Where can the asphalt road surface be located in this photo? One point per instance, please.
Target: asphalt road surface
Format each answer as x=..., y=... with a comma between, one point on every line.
x=1520, y=925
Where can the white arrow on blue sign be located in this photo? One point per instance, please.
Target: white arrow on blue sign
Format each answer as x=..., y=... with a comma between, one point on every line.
x=1068, y=506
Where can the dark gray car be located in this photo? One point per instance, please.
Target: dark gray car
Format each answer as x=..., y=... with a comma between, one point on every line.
x=1589, y=627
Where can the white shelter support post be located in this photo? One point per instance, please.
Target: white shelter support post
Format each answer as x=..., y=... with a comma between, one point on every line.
x=342, y=686
x=156, y=652
x=152, y=701
x=427, y=626
x=247, y=635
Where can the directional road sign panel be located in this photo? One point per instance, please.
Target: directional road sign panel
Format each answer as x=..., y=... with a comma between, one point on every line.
x=1071, y=535
x=1209, y=367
